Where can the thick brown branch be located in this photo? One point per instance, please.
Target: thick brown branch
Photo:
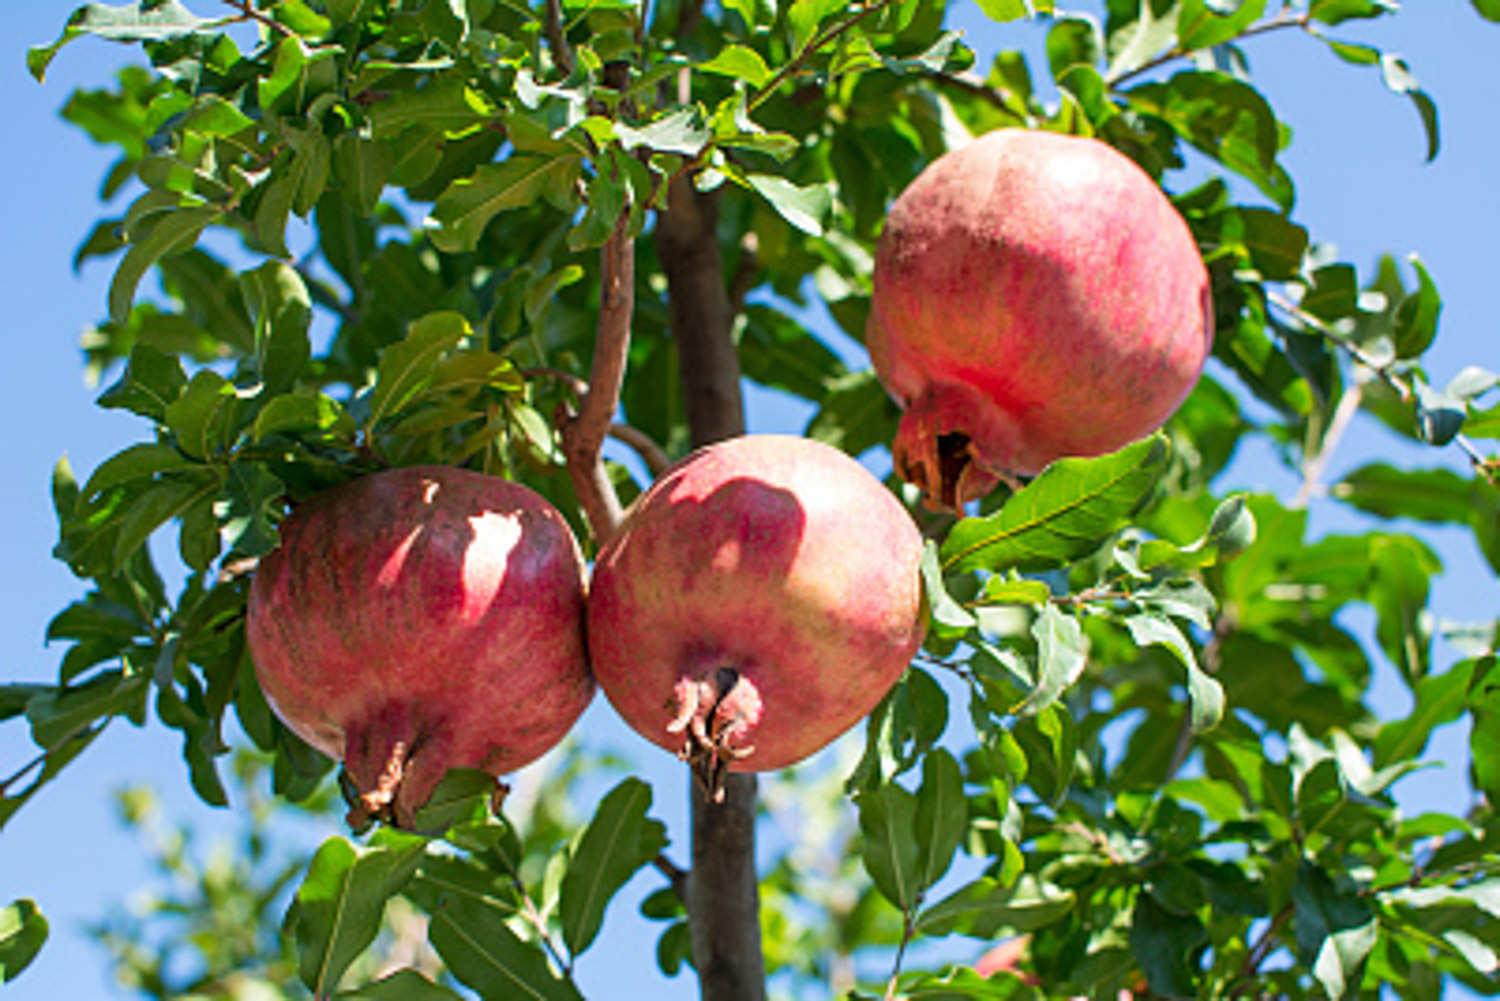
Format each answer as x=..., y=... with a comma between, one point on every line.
x=723, y=889
x=583, y=435
x=687, y=243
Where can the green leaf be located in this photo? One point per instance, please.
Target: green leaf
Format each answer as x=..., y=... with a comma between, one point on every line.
x=1437, y=496
x=1062, y=654
x=23, y=931
x=942, y=817
x=446, y=105
x=903, y=726
x=1164, y=944
x=1200, y=26
x=204, y=417
x=171, y=232
x=946, y=613
x=740, y=63
x=857, y=414
x=341, y=903
x=150, y=383
x=403, y=985
x=1398, y=77
x=1224, y=118
x=461, y=795
x=1417, y=316
x=362, y=167
x=136, y=462
x=1487, y=9
x=464, y=210
x=986, y=908
x=58, y=715
x=314, y=415
x=682, y=131
x=1484, y=738
x=1338, y=11
x=482, y=952
x=154, y=507
x=407, y=366
x=1205, y=694
x=1062, y=515
x=250, y=509
x=130, y=22
x=804, y=16
x=1335, y=927
x=618, y=841
x=1001, y=590
x=1004, y=10
x=804, y=206
x=777, y=351
x=887, y=820
x=1073, y=41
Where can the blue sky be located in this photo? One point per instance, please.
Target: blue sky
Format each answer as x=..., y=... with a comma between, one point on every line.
x=1356, y=155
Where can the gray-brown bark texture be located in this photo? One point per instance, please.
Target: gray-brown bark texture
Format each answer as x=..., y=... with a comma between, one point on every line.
x=723, y=889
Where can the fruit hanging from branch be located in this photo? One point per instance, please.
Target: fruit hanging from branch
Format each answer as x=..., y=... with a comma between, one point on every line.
x=1036, y=296
x=418, y=620
x=757, y=602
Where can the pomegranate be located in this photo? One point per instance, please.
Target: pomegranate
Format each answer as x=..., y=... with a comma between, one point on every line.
x=418, y=620
x=757, y=602
x=1036, y=296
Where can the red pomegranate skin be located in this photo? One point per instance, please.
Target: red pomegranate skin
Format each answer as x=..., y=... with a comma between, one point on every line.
x=1035, y=296
x=422, y=619
x=777, y=558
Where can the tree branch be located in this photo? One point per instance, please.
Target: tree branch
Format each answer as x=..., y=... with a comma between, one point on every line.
x=723, y=889
x=1312, y=468
x=557, y=38
x=1287, y=19
x=583, y=435
x=249, y=13
x=813, y=44
x=653, y=455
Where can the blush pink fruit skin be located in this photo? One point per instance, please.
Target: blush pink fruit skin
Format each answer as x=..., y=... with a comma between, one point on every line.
x=1038, y=295
x=777, y=557
x=429, y=617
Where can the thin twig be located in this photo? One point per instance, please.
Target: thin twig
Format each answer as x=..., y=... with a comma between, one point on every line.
x=1263, y=945
x=583, y=435
x=813, y=44
x=577, y=386
x=908, y=930
x=676, y=875
x=1312, y=469
x=1403, y=389
x=249, y=13
x=41, y=759
x=653, y=455
x=557, y=38
x=1287, y=19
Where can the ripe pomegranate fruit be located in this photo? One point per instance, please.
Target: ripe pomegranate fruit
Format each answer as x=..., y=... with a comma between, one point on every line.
x=418, y=620
x=1036, y=296
x=757, y=602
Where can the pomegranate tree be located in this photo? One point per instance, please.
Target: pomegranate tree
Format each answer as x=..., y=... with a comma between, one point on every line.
x=1036, y=296
x=757, y=602
x=418, y=620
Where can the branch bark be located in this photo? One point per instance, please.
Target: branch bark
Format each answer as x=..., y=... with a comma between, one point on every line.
x=583, y=435
x=723, y=889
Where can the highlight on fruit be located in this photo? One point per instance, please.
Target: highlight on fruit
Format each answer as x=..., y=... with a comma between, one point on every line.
x=757, y=602
x=418, y=620
x=1036, y=296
